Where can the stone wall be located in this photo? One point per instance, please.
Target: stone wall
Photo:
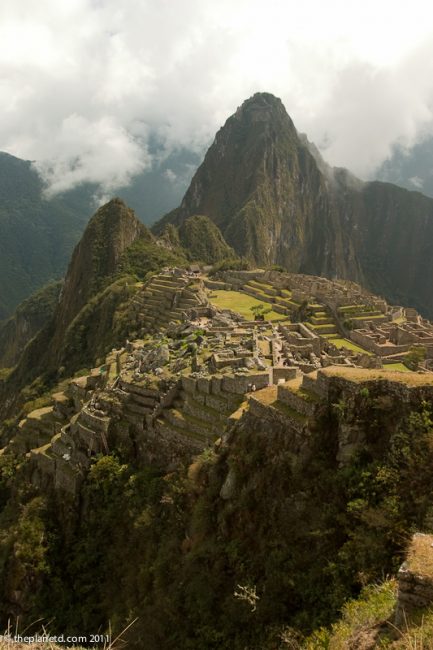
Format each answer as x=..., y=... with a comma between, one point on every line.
x=283, y=373
x=363, y=339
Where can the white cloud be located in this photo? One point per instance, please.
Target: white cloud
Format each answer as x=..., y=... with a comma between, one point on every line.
x=171, y=176
x=84, y=82
x=99, y=152
x=417, y=182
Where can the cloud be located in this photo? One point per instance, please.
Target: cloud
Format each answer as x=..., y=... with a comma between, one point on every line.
x=99, y=152
x=85, y=85
x=417, y=182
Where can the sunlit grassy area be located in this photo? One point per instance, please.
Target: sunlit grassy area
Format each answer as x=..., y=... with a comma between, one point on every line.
x=363, y=374
x=396, y=366
x=241, y=303
x=345, y=343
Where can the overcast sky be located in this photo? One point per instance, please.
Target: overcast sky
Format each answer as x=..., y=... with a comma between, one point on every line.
x=84, y=82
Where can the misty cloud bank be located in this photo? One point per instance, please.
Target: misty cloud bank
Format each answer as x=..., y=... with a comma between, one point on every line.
x=87, y=85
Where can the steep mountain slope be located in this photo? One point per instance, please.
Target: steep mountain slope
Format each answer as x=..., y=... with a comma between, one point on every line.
x=111, y=230
x=87, y=302
x=261, y=186
x=410, y=168
x=36, y=236
x=276, y=202
x=93, y=313
x=35, y=312
x=203, y=240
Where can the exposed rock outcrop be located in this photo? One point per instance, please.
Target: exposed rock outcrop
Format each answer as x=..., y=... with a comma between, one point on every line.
x=33, y=314
x=276, y=202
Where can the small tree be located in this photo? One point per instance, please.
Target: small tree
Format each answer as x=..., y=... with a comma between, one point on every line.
x=260, y=311
x=414, y=357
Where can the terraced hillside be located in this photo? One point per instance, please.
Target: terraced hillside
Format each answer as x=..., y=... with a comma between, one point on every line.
x=206, y=442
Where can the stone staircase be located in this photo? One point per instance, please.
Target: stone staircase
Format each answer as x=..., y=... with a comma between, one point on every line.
x=138, y=403
x=362, y=314
x=35, y=430
x=280, y=299
x=200, y=411
x=291, y=403
x=163, y=299
x=322, y=322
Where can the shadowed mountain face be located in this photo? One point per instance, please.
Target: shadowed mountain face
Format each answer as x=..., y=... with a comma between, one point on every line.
x=112, y=229
x=410, y=168
x=276, y=202
x=26, y=322
x=37, y=235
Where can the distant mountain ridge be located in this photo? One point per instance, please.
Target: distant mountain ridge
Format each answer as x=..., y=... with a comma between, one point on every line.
x=410, y=168
x=37, y=236
x=262, y=184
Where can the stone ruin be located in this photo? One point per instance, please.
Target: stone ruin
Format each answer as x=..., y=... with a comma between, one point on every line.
x=189, y=369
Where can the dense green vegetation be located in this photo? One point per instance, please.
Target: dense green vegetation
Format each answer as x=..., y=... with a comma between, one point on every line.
x=144, y=257
x=289, y=547
x=36, y=235
x=28, y=319
x=230, y=264
x=203, y=241
x=302, y=530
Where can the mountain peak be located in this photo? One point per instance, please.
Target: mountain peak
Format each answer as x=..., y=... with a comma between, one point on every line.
x=264, y=109
x=264, y=104
x=257, y=146
x=109, y=232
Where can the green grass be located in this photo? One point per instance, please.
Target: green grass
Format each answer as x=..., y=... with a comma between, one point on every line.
x=374, y=606
x=260, y=285
x=345, y=343
x=353, y=308
x=378, y=315
x=240, y=303
x=321, y=327
x=290, y=412
x=396, y=366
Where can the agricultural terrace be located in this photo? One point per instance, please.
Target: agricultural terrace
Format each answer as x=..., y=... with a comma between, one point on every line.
x=345, y=343
x=240, y=303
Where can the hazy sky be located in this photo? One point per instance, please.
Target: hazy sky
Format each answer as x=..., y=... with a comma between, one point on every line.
x=84, y=82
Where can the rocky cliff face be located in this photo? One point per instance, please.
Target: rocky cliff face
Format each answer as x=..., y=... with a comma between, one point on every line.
x=307, y=493
x=82, y=322
x=33, y=314
x=276, y=202
x=109, y=233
